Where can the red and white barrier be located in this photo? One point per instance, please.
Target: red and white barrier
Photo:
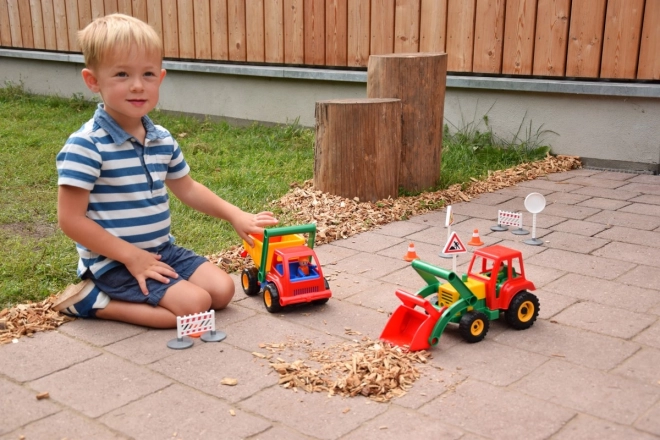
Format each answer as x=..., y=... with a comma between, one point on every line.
x=506, y=218
x=197, y=323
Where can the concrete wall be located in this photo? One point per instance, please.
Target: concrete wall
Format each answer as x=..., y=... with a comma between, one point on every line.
x=609, y=125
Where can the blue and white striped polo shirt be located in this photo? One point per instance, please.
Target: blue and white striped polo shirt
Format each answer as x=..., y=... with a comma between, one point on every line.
x=127, y=182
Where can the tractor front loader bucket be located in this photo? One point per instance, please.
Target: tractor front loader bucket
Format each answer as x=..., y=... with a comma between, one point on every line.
x=409, y=326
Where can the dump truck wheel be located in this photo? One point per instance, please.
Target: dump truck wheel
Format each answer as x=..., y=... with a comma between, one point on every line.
x=523, y=310
x=272, y=298
x=249, y=281
x=473, y=326
x=320, y=302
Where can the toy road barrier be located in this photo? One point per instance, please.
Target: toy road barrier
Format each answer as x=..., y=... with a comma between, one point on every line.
x=506, y=218
x=192, y=324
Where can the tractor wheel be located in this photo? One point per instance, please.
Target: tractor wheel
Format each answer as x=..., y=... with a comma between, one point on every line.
x=249, y=281
x=320, y=302
x=473, y=326
x=522, y=311
x=272, y=298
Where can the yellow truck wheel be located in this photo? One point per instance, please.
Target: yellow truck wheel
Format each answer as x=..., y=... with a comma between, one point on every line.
x=249, y=281
x=272, y=298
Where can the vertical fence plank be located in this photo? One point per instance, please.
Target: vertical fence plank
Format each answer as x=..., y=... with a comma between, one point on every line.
x=294, y=48
x=359, y=33
x=170, y=29
x=84, y=13
x=236, y=26
x=139, y=8
x=5, y=24
x=382, y=27
x=433, y=26
x=336, y=32
x=460, y=35
x=274, y=31
x=585, y=38
x=72, y=24
x=649, y=61
x=314, y=30
x=219, y=30
x=202, y=25
x=254, y=26
x=623, y=28
x=14, y=23
x=61, y=25
x=185, y=17
x=37, y=20
x=519, y=23
x=154, y=16
x=48, y=14
x=406, y=26
x=25, y=24
x=125, y=7
x=551, y=45
x=489, y=36
x=100, y=6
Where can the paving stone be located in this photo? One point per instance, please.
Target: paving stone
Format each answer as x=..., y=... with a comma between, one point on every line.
x=557, y=341
x=145, y=348
x=595, y=181
x=369, y=241
x=599, y=267
x=434, y=235
x=585, y=427
x=612, y=321
x=634, y=236
x=650, y=336
x=522, y=192
x=400, y=229
x=614, y=175
x=575, y=212
x=643, y=276
x=475, y=210
x=552, y=303
x=646, y=179
x=642, y=188
x=550, y=186
x=642, y=366
x=399, y=423
x=490, y=361
x=470, y=407
x=179, y=412
x=64, y=425
x=432, y=383
x=435, y=218
x=20, y=406
x=100, y=332
x=560, y=176
x=541, y=275
x=425, y=251
x=650, y=422
x=605, y=204
x=516, y=242
x=579, y=227
x=642, y=208
x=54, y=351
x=626, y=219
x=492, y=199
x=630, y=252
x=99, y=385
x=345, y=285
x=332, y=417
x=204, y=365
x=573, y=243
x=597, y=393
x=605, y=292
x=382, y=297
x=331, y=254
x=370, y=265
x=650, y=199
x=606, y=193
x=565, y=198
x=581, y=172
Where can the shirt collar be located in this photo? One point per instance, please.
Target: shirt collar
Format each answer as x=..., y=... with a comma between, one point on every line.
x=118, y=134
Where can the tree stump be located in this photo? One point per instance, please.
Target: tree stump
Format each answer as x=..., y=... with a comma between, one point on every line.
x=358, y=148
x=419, y=80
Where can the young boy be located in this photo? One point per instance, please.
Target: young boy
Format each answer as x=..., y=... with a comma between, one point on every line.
x=114, y=173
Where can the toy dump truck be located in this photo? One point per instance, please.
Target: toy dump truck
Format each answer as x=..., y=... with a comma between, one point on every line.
x=494, y=285
x=287, y=269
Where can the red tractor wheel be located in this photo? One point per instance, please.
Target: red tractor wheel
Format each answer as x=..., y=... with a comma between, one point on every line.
x=272, y=298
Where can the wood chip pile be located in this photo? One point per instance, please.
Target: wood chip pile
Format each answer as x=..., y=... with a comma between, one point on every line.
x=26, y=319
x=373, y=369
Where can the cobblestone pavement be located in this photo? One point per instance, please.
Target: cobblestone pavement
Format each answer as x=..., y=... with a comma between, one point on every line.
x=588, y=369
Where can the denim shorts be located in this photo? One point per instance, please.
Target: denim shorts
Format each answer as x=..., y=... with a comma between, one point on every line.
x=119, y=284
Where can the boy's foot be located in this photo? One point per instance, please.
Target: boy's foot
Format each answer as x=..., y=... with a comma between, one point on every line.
x=81, y=300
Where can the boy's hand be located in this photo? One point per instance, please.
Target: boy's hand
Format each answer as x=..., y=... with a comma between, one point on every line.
x=143, y=265
x=248, y=223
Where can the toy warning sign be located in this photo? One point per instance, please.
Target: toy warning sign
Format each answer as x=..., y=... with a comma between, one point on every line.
x=454, y=245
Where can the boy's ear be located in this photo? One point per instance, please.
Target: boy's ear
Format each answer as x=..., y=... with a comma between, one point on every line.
x=90, y=80
x=163, y=72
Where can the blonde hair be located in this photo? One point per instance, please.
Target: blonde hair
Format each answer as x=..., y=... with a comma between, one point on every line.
x=116, y=33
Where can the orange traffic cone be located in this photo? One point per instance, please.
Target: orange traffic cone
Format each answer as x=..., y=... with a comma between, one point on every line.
x=475, y=241
x=411, y=254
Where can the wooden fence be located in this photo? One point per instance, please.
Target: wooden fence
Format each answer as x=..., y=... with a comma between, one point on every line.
x=610, y=39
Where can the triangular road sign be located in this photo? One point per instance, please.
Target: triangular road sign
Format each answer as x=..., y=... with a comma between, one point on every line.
x=454, y=245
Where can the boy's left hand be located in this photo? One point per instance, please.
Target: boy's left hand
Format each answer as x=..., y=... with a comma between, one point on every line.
x=248, y=223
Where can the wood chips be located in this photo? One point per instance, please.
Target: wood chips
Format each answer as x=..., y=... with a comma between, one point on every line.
x=373, y=369
x=335, y=218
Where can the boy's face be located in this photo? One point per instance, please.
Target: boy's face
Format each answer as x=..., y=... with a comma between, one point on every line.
x=128, y=83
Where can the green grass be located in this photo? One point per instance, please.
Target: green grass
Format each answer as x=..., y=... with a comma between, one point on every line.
x=248, y=166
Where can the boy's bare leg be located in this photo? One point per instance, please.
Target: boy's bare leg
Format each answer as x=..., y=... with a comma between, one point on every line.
x=208, y=287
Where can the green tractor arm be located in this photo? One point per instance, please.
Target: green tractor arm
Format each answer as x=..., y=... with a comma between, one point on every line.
x=285, y=230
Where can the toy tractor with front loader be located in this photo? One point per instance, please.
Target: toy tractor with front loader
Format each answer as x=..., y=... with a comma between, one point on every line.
x=495, y=285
